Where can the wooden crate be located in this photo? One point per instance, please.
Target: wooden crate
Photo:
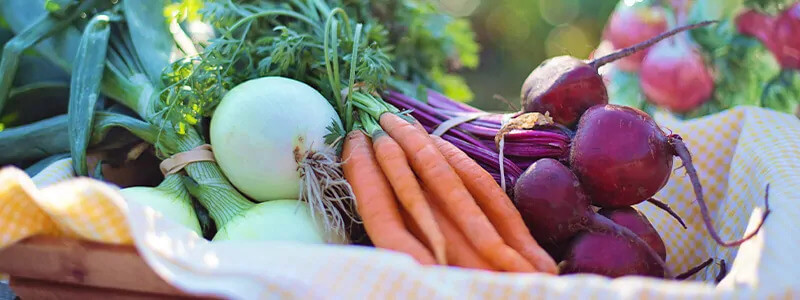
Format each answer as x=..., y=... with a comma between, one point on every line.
x=60, y=268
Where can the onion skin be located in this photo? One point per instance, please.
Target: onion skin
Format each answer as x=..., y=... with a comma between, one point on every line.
x=166, y=203
x=261, y=130
x=674, y=76
x=276, y=220
x=630, y=25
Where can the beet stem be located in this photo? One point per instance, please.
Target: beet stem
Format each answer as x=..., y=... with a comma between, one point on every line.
x=665, y=207
x=681, y=151
x=694, y=270
x=723, y=270
x=599, y=62
x=599, y=223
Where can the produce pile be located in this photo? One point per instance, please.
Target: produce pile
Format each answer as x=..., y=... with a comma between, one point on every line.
x=320, y=122
x=749, y=58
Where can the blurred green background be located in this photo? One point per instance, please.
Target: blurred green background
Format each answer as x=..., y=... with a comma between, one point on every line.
x=516, y=35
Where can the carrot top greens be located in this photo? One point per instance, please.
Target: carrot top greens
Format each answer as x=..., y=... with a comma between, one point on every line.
x=331, y=45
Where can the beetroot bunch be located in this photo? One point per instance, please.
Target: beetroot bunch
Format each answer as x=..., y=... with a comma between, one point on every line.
x=582, y=174
x=619, y=157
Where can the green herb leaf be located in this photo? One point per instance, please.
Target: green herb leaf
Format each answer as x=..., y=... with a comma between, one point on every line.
x=407, y=40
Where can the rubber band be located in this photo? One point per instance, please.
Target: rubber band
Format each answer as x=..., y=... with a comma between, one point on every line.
x=500, y=157
x=453, y=122
x=178, y=161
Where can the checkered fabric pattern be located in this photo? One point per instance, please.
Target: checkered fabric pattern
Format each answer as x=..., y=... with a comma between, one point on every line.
x=736, y=152
x=55, y=203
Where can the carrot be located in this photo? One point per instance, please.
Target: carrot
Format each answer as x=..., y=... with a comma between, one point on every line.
x=460, y=252
x=395, y=166
x=496, y=205
x=436, y=173
x=375, y=201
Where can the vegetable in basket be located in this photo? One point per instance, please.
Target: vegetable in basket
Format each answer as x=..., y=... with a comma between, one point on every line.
x=320, y=45
x=169, y=198
x=500, y=239
x=338, y=48
x=553, y=203
x=263, y=131
x=276, y=220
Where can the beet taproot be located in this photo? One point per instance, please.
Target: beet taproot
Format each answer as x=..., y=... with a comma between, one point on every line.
x=555, y=209
x=608, y=255
x=637, y=222
x=622, y=157
x=566, y=86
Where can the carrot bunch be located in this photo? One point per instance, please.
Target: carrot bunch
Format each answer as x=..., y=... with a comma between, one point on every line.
x=420, y=195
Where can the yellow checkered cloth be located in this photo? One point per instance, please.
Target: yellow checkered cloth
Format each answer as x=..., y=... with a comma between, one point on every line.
x=55, y=203
x=736, y=152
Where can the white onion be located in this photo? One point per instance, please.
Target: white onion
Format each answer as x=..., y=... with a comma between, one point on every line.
x=261, y=129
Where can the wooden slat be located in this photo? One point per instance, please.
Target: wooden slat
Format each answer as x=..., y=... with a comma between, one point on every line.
x=36, y=289
x=82, y=263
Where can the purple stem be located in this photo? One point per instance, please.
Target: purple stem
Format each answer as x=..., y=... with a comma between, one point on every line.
x=484, y=155
x=492, y=120
x=438, y=100
x=427, y=112
x=404, y=102
x=526, y=151
x=510, y=180
x=430, y=127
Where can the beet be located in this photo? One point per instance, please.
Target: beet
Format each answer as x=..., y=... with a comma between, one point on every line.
x=551, y=201
x=620, y=155
x=608, y=255
x=566, y=86
x=555, y=209
x=674, y=76
x=633, y=24
x=779, y=34
x=639, y=224
x=622, y=158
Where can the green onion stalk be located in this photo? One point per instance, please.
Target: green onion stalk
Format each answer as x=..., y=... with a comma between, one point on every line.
x=135, y=56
